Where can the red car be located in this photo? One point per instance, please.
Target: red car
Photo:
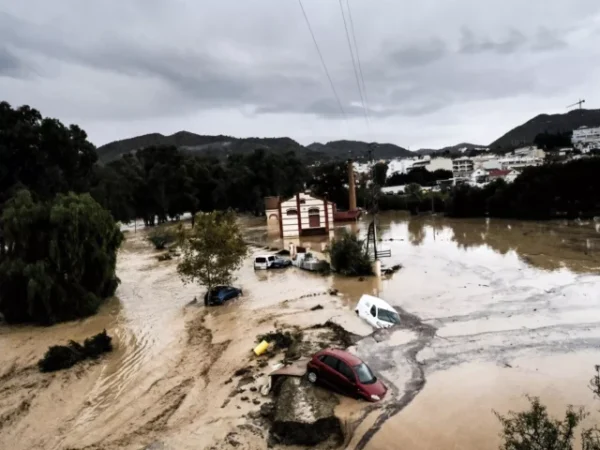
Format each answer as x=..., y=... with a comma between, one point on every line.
x=345, y=373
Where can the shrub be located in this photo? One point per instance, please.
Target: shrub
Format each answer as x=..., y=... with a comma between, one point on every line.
x=349, y=255
x=60, y=357
x=161, y=237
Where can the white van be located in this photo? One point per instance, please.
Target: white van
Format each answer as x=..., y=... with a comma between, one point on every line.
x=377, y=312
x=263, y=262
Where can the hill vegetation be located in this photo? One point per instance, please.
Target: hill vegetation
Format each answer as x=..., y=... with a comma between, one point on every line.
x=223, y=146
x=544, y=123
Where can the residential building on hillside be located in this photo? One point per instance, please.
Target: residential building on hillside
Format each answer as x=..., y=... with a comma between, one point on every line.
x=462, y=167
x=586, y=137
x=479, y=176
x=518, y=162
x=495, y=174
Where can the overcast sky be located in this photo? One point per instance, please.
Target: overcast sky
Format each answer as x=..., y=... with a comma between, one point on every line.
x=437, y=72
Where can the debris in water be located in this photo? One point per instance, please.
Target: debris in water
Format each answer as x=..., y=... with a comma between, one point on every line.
x=333, y=292
x=164, y=257
x=244, y=371
x=316, y=308
x=304, y=415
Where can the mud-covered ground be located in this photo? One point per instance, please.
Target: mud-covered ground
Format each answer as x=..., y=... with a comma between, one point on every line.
x=491, y=310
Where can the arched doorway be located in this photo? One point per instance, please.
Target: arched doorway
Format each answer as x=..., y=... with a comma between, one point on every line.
x=314, y=218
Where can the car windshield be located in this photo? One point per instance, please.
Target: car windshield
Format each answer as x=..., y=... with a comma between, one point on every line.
x=388, y=316
x=365, y=376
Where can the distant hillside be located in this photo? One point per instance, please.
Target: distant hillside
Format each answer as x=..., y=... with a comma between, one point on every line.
x=526, y=133
x=358, y=150
x=222, y=146
x=219, y=146
x=451, y=150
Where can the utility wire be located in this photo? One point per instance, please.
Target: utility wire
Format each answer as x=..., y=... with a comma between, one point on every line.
x=362, y=99
x=362, y=78
x=337, y=97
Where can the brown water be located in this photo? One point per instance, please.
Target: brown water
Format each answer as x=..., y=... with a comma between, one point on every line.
x=476, y=297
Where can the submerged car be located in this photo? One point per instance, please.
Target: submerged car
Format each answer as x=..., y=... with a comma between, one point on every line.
x=377, y=312
x=220, y=294
x=263, y=262
x=345, y=373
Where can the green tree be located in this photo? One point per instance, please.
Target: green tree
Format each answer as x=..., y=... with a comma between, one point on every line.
x=534, y=429
x=212, y=250
x=331, y=180
x=380, y=173
x=60, y=258
x=349, y=255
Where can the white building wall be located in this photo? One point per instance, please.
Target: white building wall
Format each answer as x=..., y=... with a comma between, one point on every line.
x=290, y=223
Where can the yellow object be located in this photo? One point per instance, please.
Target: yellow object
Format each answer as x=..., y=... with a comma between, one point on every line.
x=261, y=348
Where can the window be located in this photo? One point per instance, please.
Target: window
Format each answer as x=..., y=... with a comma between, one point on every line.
x=331, y=362
x=291, y=212
x=271, y=258
x=373, y=311
x=313, y=211
x=388, y=316
x=346, y=371
x=261, y=260
x=302, y=201
x=365, y=376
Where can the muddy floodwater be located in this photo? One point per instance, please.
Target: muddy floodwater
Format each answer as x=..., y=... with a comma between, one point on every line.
x=491, y=311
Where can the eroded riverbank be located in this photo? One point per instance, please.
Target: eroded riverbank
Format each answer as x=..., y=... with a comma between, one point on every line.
x=476, y=297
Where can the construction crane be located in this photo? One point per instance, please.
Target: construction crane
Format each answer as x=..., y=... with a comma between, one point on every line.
x=580, y=102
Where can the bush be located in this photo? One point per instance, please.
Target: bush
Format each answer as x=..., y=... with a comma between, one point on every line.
x=349, y=255
x=98, y=344
x=161, y=237
x=59, y=258
x=59, y=357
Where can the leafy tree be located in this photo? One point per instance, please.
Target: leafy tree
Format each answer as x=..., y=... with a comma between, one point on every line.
x=349, y=255
x=41, y=155
x=534, y=429
x=552, y=141
x=380, y=173
x=331, y=180
x=59, y=260
x=212, y=250
x=557, y=190
x=419, y=175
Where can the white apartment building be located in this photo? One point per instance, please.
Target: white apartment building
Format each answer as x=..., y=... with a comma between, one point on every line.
x=462, y=167
x=519, y=162
x=586, y=137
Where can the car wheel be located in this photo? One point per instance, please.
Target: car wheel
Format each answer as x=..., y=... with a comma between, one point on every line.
x=312, y=376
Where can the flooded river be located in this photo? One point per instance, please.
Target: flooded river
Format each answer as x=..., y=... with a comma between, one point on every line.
x=492, y=310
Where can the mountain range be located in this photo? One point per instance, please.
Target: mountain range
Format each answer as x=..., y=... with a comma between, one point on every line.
x=221, y=146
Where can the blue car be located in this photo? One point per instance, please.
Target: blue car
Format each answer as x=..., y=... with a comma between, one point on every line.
x=220, y=294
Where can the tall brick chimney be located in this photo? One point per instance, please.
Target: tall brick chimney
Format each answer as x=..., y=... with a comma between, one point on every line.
x=351, y=187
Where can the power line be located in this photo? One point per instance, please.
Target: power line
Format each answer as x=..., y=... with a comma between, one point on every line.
x=337, y=97
x=362, y=99
x=362, y=78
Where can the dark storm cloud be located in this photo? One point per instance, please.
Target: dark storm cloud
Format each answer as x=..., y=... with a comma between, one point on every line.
x=471, y=43
x=420, y=53
x=149, y=60
x=10, y=65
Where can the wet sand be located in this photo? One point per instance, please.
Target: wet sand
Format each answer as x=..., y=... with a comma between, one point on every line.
x=476, y=297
